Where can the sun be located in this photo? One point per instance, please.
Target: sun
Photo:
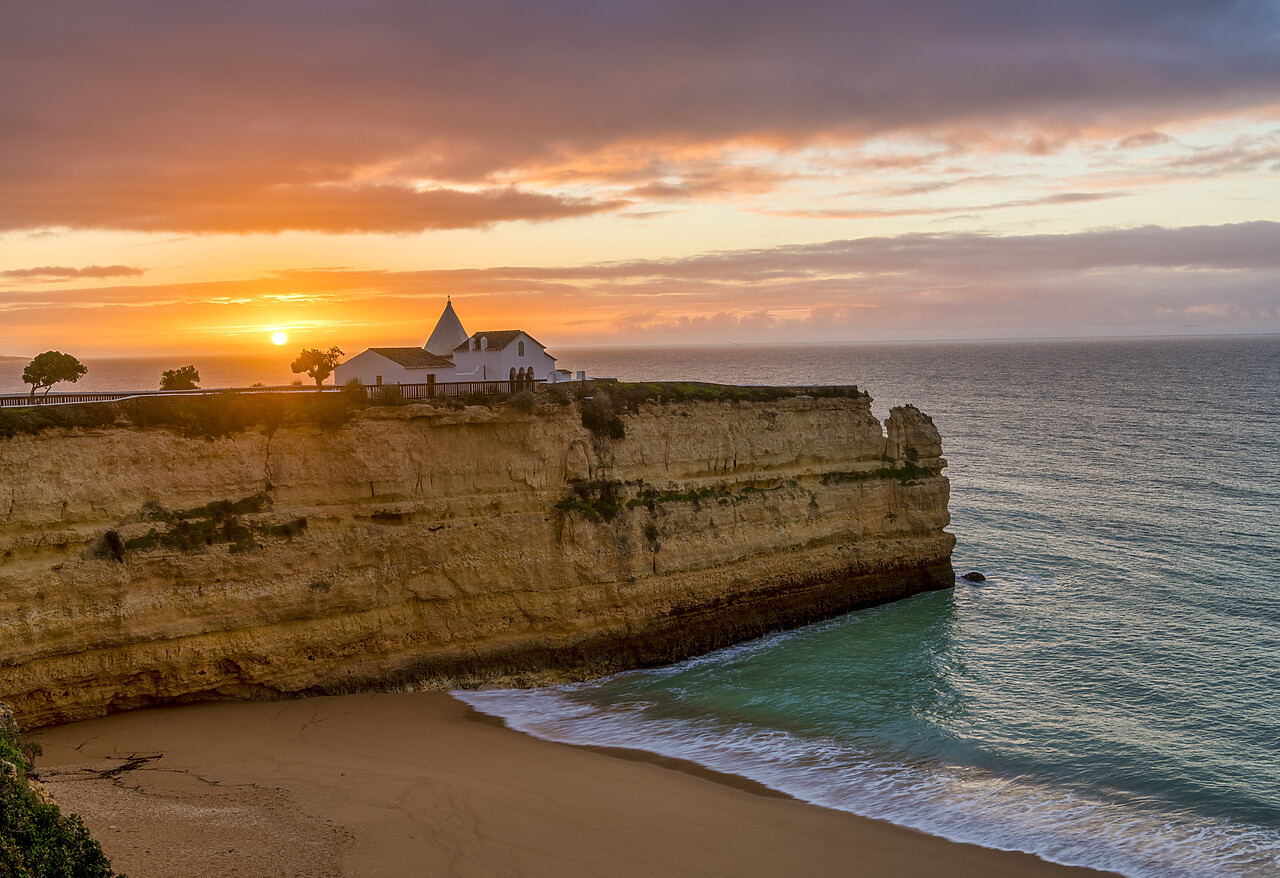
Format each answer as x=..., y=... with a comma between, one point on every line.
x=278, y=337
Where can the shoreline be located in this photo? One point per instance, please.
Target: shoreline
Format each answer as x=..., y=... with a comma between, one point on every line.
x=422, y=784
x=633, y=754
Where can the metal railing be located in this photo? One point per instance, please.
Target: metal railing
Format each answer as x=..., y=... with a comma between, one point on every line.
x=448, y=388
x=383, y=392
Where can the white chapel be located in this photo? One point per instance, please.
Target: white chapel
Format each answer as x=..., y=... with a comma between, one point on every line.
x=451, y=355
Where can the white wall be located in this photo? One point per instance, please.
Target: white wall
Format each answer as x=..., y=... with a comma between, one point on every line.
x=473, y=365
x=367, y=367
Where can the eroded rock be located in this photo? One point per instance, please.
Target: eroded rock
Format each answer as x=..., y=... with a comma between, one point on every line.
x=441, y=548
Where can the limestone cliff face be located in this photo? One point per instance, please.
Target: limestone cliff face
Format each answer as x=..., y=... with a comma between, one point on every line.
x=426, y=546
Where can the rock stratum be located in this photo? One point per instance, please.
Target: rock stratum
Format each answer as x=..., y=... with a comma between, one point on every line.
x=427, y=546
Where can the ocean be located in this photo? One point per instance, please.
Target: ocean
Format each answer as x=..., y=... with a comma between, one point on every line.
x=143, y=373
x=1109, y=697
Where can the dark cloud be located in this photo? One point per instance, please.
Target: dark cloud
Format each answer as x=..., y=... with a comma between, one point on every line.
x=1244, y=247
x=245, y=208
x=242, y=116
x=908, y=262
x=1145, y=138
x=63, y=272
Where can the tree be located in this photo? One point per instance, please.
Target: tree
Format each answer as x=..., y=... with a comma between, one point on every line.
x=316, y=363
x=184, y=378
x=49, y=368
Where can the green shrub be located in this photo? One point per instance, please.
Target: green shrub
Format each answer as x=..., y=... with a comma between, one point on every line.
x=595, y=501
x=390, y=394
x=652, y=498
x=601, y=417
x=524, y=401
x=38, y=839
x=212, y=524
x=909, y=471
x=32, y=421
x=224, y=414
x=486, y=398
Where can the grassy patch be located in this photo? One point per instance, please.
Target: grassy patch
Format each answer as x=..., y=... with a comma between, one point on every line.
x=652, y=498
x=209, y=525
x=602, y=500
x=909, y=471
x=628, y=397
x=224, y=414
x=32, y=421
x=594, y=501
x=217, y=415
x=603, y=402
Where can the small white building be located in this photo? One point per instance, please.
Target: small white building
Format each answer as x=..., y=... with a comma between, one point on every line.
x=503, y=355
x=395, y=366
x=450, y=355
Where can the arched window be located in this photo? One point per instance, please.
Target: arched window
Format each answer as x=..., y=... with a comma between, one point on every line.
x=521, y=346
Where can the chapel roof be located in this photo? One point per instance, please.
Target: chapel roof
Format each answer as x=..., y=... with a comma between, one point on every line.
x=499, y=339
x=448, y=333
x=414, y=358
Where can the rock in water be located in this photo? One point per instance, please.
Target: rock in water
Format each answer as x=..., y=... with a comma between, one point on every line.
x=974, y=576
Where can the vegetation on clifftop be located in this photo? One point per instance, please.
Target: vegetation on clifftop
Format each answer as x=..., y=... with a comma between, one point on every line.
x=36, y=838
x=210, y=416
x=36, y=420
x=605, y=401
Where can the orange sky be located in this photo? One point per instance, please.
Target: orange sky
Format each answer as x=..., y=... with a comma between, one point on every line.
x=189, y=178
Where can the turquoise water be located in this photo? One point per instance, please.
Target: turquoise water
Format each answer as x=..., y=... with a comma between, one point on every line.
x=1109, y=697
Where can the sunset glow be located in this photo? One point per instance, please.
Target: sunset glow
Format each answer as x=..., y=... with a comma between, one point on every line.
x=279, y=338
x=636, y=174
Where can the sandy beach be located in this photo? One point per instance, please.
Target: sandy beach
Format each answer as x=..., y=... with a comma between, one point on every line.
x=418, y=784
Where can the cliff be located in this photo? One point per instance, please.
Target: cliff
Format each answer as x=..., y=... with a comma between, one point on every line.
x=423, y=545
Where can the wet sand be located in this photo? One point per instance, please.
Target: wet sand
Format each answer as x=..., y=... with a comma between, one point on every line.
x=416, y=784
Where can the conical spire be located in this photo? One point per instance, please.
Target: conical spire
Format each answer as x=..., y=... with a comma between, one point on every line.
x=448, y=333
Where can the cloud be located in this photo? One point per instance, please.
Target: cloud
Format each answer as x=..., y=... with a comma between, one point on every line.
x=710, y=182
x=1246, y=154
x=871, y=212
x=245, y=209
x=1108, y=281
x=1144, y=139
x=397, y=116
x=63, y=272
